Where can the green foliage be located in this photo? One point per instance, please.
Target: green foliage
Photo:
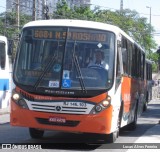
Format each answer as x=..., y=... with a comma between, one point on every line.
x=128, y=20
x=9, y=28
x=154, y=67
x=64, y=11
x=154, y=57
x=8, y=25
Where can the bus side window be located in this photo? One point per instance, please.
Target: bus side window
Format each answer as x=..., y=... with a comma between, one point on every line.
x=125, y=55
x=2, y=56
x=118, y=71
x=124, y=58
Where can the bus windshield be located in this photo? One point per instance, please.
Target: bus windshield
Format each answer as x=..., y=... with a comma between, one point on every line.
x=65, y=58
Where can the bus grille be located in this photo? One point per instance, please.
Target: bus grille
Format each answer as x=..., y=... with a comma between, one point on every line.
x=66, y=107
x=26, y=96
x=68, y=123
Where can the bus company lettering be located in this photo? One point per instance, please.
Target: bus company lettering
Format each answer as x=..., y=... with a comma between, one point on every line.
x=81, y=36
x=60, y=92
x=127, y=97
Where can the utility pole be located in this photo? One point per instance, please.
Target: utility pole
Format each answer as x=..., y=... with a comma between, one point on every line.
x=17, y=10
x=45, y=10
x=150, y=29
x=34, y=10
x=121, y=6
x=150, y=14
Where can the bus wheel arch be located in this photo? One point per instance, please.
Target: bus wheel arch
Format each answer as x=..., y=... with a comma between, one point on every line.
x=146, y=101
x=133, y=125
x=111, y=138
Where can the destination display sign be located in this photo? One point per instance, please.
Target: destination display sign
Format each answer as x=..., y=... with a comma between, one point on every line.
x=61, y=35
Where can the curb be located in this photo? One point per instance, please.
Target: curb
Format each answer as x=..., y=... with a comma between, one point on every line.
x=4, y=118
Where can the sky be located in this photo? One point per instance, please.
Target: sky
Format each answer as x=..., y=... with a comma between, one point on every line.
x=139, y=5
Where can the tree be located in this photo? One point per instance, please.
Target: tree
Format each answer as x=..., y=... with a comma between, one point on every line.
x=8, y=25
x=9, y=28
x=130, y=22
x=64, y=11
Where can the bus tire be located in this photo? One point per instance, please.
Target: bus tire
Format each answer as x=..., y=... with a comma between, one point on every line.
x=36, y=133
x=145, y=106
x=111, y=138
x=133, y=125
x=146, y=103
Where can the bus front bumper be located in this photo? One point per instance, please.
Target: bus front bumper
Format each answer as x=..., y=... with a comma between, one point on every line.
x=91, y=123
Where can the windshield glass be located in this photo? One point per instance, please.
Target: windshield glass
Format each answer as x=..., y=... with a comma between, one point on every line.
x=65, y=58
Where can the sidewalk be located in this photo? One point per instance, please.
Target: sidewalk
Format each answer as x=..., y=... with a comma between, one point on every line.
x=5, y=111
x=4, y=118
x=4, y=115
x=150, y=138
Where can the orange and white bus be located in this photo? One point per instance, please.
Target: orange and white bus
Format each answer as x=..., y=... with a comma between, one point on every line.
x=56, y=89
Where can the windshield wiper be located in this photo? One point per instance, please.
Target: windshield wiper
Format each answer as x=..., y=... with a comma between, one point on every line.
x=78, y=69
x=46, y=69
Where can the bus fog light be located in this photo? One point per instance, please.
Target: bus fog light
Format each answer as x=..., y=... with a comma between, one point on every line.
x=98, y=108
x=23, y=104
x=16, y=96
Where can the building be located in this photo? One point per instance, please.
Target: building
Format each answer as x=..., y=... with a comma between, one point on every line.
x=78, y=3
x=26, y=6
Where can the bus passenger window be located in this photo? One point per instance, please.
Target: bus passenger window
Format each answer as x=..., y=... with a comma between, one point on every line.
x=124, y=58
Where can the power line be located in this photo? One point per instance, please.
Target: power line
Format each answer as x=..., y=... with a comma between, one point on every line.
x=98, y=6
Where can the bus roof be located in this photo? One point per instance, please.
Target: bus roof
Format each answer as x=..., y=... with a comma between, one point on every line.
x=80, y=24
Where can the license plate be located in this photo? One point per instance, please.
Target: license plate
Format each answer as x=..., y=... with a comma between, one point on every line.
x=75, y=104
x=57, y=119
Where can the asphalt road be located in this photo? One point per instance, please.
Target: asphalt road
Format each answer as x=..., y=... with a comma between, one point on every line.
x=59, y=141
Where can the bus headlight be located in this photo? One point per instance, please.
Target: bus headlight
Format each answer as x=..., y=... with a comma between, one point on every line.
x=101, y=106
x=18, y=99
x=106, y=102
x=98, y=108
x=16, y=96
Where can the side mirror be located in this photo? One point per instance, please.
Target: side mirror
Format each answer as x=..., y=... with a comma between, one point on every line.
x=28, y=39
x=10, y=47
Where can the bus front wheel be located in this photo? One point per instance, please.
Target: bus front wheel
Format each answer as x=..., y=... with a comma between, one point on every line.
x=111, y=138
x=36, y=133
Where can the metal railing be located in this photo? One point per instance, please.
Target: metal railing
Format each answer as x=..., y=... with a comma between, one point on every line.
x=156, y=92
